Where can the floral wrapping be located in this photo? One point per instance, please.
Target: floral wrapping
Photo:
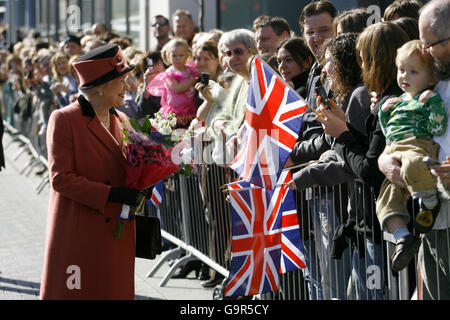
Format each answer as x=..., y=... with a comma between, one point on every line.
x=149, y=158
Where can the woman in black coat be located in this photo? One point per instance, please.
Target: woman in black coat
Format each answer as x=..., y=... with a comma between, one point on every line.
x=377, y=47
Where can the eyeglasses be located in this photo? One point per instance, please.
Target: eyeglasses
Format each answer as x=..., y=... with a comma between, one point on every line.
x=236, y=51
x=159, y=24
x=428, y=46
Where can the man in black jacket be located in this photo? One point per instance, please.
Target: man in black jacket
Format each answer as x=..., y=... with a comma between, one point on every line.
x=316, y=24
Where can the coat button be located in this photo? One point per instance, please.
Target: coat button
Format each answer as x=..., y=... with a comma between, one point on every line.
x=108, y=220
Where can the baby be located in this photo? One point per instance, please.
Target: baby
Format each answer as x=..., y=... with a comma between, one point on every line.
x=409, y=123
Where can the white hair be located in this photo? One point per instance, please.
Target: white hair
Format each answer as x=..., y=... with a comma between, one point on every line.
x=238, y=35
x=437, y=12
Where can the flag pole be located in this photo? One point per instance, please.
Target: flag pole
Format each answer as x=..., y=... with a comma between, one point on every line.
x=301, y=165
x=231, y=183
x=251, y=188
x=242, y=189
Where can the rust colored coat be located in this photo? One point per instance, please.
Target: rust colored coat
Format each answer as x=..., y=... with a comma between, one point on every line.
x=84, y=159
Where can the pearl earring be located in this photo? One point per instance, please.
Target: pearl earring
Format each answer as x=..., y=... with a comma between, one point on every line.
x=100, y=93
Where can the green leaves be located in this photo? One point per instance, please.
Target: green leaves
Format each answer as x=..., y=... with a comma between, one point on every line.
x=136, y=126
x=146, y=127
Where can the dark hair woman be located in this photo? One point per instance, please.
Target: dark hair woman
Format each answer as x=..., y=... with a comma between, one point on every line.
x=377, y=49
x=294, y=62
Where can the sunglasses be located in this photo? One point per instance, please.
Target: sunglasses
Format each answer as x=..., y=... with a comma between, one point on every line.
x=236, y=51
x=159, y=24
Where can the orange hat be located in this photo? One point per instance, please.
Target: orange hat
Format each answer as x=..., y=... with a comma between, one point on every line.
x=101, y=65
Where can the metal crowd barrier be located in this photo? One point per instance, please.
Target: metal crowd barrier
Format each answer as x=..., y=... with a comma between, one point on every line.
x=196, y=217
x=22, y=130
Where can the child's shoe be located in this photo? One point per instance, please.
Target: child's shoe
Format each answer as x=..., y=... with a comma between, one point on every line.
x=426, y=218
x=404, y=251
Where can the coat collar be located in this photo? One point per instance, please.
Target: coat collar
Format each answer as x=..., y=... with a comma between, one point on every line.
x=300, y=80
x=112, y=139
x=87, y=110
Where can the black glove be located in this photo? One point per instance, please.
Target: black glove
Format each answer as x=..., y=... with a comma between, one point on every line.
x=148, y=192
x=341, y=234
x=125, y=195
x=339, y=243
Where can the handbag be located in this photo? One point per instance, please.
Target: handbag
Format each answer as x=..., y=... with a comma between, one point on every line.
x=148, y=237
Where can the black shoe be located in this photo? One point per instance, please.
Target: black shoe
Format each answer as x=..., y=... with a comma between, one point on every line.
x=426, y=218
x=195, y=265
x=212, y=282
x=404, y=251
x=204, y=272
x=41, y=172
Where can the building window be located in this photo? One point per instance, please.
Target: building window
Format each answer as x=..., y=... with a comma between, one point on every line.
x=86, y=14
x=100, y=11
x=134, y=22
x=119, y=18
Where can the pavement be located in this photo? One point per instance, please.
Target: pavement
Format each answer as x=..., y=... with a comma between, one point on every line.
x=23, y=214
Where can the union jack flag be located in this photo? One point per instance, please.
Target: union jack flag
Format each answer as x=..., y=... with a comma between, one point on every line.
x=263, y=237
x=272, y=121
x=157, y=194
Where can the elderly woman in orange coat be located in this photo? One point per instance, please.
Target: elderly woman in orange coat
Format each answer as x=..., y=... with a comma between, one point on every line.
x=87, y=159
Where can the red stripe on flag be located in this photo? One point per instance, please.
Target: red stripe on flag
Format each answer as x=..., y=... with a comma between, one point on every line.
x=290, y=220
x=259, y=71
x=292, y=113
x=285, y=249
x=238, y=276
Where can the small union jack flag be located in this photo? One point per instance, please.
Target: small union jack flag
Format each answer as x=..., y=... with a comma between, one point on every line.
x=272, y=121
x=157, y=194
x=262, y=243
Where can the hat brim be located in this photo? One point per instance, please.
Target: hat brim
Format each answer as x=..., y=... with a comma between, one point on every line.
x=107, y=78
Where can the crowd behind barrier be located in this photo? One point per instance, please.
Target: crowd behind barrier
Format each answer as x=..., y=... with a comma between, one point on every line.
x=349, y=257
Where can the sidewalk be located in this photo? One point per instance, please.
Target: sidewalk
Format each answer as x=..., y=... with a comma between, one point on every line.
x=22, y=238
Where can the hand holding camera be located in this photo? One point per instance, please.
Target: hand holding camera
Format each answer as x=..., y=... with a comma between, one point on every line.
x=203, y=87
x=204, y=78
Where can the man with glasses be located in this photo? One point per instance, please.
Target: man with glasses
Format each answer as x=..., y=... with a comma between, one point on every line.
x=434, y=28
x=161, y=31
x=433, y=258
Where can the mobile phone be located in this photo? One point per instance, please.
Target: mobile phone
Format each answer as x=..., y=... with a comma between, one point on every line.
x=204, y=78
x=430, y=162
x=323, y=95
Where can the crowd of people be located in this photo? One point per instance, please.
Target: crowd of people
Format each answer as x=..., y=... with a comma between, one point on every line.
x=386, y=108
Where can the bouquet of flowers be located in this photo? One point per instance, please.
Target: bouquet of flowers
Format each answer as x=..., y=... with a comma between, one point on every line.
x=149, y=157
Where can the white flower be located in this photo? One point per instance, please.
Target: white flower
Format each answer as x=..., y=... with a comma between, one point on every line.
x=165, y=130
